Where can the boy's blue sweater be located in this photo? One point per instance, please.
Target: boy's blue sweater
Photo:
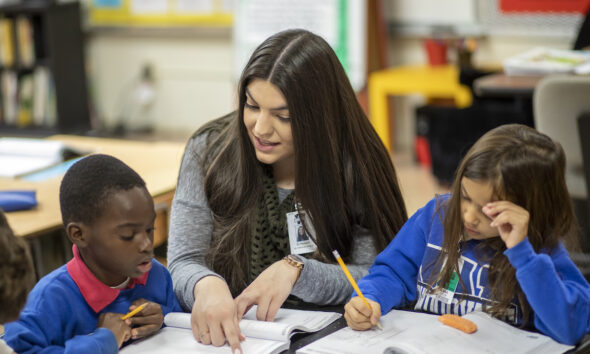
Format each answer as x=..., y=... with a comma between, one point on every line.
x=554, y=287
x=57, y=318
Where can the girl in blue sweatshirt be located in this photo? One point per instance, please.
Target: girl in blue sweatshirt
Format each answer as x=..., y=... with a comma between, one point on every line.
x=494, y=244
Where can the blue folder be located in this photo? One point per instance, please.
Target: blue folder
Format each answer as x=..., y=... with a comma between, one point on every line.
x=18, y=200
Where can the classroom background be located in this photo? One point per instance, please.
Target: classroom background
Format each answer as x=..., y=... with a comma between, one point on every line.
x=153, y=71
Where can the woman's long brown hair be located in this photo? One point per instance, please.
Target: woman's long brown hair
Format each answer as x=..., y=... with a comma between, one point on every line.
x=524, y=167
x=344, y=175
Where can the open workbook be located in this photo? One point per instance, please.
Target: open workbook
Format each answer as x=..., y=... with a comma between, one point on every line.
x=416, y=333
x=20, y=156
x=261, y=336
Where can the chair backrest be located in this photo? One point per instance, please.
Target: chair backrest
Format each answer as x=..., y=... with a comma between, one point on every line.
x=558, y=101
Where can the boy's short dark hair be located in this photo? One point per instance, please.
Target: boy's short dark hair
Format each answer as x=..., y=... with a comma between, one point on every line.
x=87, y=184
x=17, y=275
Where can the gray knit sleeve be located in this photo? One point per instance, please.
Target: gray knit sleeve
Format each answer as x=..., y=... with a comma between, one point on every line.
x=191, y=225
x=326, y=284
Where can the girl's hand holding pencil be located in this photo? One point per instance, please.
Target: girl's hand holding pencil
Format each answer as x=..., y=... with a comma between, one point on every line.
x=360, y=317
x=371, y=311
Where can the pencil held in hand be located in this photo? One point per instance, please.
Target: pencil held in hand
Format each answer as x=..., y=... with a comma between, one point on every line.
x=134, y=312
x=352, y=282
x=459, y=323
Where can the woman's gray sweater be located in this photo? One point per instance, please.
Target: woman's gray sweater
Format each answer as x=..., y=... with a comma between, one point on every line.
x=190, y=237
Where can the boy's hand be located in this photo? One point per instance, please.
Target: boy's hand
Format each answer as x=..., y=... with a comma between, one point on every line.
x=511, y=221
x=147, y=321
x=359, y=317
x=113, y=322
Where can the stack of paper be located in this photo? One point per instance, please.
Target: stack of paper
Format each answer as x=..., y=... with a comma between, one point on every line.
x=20, y=156
x=542, y=61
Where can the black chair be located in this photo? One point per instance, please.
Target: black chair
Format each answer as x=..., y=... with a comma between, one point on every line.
x=451, y=131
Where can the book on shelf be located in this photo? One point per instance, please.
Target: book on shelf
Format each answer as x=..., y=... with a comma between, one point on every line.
x=542, y=61
x=261, y=336
x=416, y=333
x=9, y=97
x=25, y=40
x=28, y=99
x=41, y=96
x=6, y=42
x=22, y=156
x=25, y=101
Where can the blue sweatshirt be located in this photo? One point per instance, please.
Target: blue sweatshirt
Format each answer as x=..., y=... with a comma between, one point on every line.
x=62, y=310
x=403, y=274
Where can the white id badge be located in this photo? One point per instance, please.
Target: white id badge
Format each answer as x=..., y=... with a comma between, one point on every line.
x=299, y=239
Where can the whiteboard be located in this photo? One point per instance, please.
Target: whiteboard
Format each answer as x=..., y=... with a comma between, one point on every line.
x=343, y=28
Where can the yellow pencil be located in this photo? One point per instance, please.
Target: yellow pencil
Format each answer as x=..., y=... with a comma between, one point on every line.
x=134, y=312
x=352, y=282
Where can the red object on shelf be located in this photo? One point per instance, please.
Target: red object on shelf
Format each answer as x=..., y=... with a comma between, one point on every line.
x=436, y=51
x=422, y=150
x=580, y=6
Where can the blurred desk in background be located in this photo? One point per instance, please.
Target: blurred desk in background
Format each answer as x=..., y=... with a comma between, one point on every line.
x=157, y=163
x=502, y=85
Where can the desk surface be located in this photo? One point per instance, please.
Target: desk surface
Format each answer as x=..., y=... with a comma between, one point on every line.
x=502, y=85
x=156, y=162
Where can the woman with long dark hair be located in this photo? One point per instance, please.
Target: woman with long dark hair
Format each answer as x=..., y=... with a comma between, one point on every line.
x=298, y=144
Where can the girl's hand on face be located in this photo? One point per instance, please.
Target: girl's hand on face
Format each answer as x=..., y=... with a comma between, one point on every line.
x=511, y=221
x=359, y=317
x=213, y=317
x=147, y=321
x=269, y=290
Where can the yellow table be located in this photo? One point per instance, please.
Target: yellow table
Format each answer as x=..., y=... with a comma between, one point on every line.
x=156, y=162
x=430, y=81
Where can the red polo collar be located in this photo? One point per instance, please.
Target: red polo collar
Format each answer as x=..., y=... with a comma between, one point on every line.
x=97, y=294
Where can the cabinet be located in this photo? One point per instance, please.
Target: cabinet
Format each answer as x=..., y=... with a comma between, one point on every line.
x=43, y=86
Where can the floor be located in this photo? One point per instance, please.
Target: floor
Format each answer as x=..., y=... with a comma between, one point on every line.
x=417, y=183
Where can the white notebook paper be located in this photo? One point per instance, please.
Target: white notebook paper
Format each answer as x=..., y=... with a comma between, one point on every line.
x=415, y=333
x=20, y=156
x=261, y=337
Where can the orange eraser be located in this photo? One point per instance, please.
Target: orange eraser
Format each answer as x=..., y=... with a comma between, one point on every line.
x=458, y=322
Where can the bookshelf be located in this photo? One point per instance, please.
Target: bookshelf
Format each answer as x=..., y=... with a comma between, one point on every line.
x=42, y=76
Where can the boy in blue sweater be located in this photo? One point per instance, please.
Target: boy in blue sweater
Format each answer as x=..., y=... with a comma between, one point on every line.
x=108, y=215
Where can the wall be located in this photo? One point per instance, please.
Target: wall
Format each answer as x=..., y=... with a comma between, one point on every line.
x=193, y=77
x=196, y=83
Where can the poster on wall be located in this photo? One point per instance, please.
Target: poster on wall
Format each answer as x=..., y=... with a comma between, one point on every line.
x=560, y=6
x=160, y=13
x=342, y=23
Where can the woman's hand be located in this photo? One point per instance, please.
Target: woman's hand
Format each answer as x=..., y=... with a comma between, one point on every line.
x=147, y=321
x=213, y=318
x=511, y=221
x=359, y=317
x=269, y=290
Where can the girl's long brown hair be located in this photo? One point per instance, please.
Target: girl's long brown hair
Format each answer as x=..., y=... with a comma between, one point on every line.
x=344, y=175
x=526, y=168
